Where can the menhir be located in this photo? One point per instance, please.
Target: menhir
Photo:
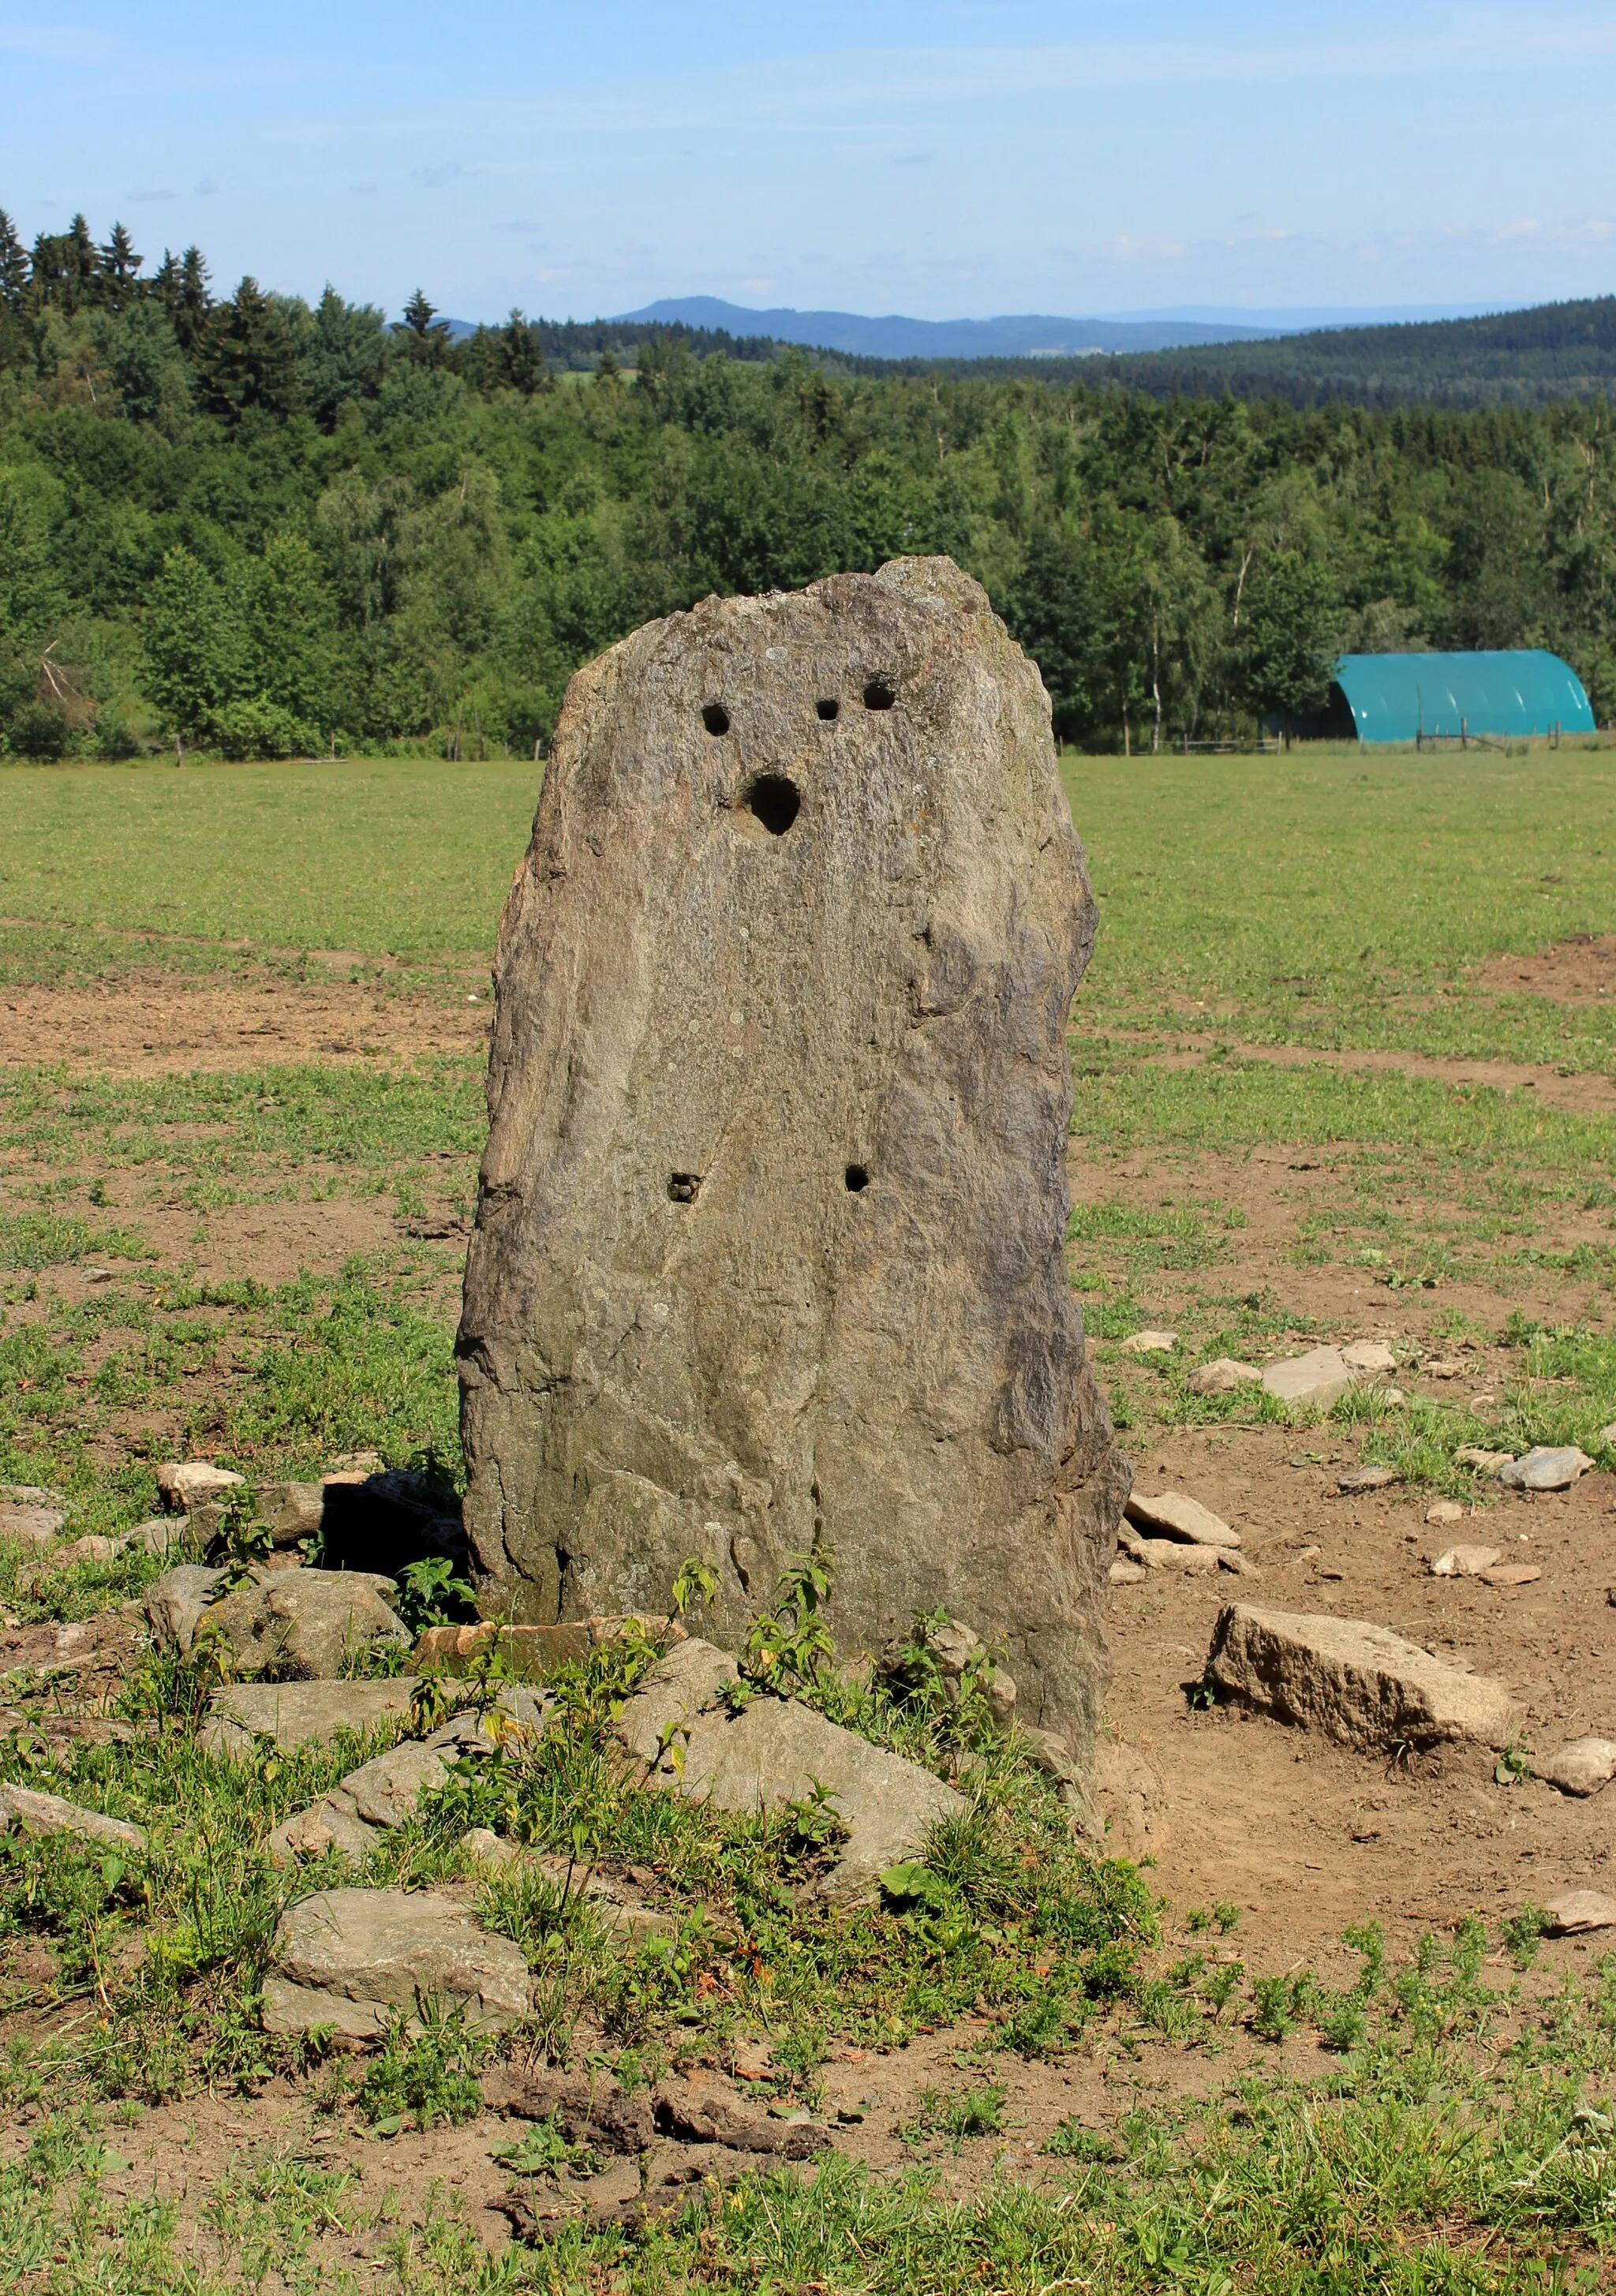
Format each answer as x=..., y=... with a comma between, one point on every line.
x=768, y=1253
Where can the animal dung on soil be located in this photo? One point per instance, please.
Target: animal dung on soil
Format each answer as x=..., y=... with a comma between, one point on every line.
x=770, y=1246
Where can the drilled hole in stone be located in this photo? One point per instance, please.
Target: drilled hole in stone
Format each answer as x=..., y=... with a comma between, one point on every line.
x=878, y=694
x=829, y=708
x=682, y=1187
x=774, y=801
x=715, y=717
x=857, y=1178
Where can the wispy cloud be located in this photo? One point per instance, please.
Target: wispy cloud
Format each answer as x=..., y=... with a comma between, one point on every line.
x=58, y=44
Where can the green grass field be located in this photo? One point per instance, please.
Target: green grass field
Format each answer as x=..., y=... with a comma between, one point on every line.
x=1457, y=2134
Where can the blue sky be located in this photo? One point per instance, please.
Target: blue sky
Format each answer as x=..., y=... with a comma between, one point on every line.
x=1065, y=156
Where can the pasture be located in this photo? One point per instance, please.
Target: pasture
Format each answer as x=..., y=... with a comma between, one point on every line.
x=1345, y=1069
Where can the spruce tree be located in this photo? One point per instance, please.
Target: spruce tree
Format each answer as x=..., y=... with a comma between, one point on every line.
x=14, y=268
x=246, y=358
x=118, y=270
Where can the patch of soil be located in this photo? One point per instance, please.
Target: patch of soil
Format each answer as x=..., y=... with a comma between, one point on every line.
x=1588, y=1093
x=162, y=1025
x=1573, y=971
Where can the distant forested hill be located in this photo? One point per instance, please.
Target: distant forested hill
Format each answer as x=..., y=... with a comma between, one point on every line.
x=1521, y=358
x=241, y=521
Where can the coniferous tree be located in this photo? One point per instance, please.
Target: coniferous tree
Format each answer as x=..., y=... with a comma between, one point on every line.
x=14, y=268
x=519, y=362
x=424, y=335
x=246, y=358
x=118, y=270
x=181, y=286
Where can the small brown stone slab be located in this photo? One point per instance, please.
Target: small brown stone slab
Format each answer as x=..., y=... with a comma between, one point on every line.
x=1577, y=1910
x=1366, y=1478
x=1181, y=1517
x=1582, y=1766
x=1463, y=1562
x=1511, y=1574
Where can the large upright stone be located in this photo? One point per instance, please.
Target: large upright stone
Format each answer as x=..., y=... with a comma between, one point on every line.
x=768, y=1252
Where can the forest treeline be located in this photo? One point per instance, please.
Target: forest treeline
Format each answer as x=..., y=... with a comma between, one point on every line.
x=242, y=522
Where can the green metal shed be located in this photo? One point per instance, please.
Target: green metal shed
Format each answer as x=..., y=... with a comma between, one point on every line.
x=1397, y=697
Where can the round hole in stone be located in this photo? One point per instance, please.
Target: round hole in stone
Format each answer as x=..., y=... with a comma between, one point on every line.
x=715, y=717
x=829, y=709
x=682, y=1187
x=856, y=1177
x=879, y=694
x=774, y=799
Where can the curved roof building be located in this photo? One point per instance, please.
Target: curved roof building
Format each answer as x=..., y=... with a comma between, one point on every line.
x=1398, y=697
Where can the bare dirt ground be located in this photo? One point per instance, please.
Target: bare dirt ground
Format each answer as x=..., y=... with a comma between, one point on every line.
x=1580, y=968
x=163, y=1026
x=1301, y=1836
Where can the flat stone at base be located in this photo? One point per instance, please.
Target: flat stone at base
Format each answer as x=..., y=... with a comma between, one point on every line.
x=356, y=1958
x=1358, y=1683
x=1174, y=1554
x=1186, y=1518
x=185, y=1483
x=47, y=1813
x=1222, y=1376
x=1316, y=1379
x=1366, y=1478
x=1575, y=1911
x=777, y=1750
x=1369, y=1356
x=32, y=1526
x=684, y=1683
x=1148, y=1343
x=1545, y=1469
x=1511, y=1574
x=1485, y=1462
x=1124, y=1573
x=1582, y=1766
x=332, y=1824
x=302, y=1713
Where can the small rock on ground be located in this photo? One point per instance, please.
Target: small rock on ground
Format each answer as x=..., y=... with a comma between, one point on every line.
x=307, y=1624
x=1463, y=1562
x=1183, y=1517
x=1369, y=1356
x=353, y=1958
x=1358, y=1683
x=1126, y=1573
x=186, y=1484
x=1510, y=1574
x=1222, y=1376
x=1148, y=1343
x=1575, y=1911
x=1546, y=1469
x=1581, y=1767
x=175, y=1604
x=1445, y=1511
x=685, y=1682
x=1485, y=1462
x=1315, y=1379
x=956, y=1648
x=31, y=1526
x=44, y=1813
x=1366, y=1478
x=300, y=1713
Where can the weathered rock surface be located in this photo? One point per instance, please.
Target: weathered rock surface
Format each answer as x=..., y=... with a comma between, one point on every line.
x=1463, y=1562
x=1358, y=1683
x=1181, y=1517
x=353, y=1958
x=1369, y=1356
x=1445, y=1511
x=957, y=1650
x=1510, y=1574
x=386, y=1790
x=769, y=1241
x=307, y=1624
x=1222, y=1376
x=685, y=1682
x=1131, y=1796
x=777, y=1750
x=31, y=1526
x=47, y=1813
x=1545, y=1469
x=1148, y=1343
x=1486, y=1462
x=300, y=1713
x=175, y=1602
x=1353, y=1479
x=1576, y=1911
x=1581, y=1767
x=291, y=1512
x=529, y=1654
x=187, y=1484
x=1315, y=1379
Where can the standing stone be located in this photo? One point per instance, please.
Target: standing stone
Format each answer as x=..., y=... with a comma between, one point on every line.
x=769, y=1252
